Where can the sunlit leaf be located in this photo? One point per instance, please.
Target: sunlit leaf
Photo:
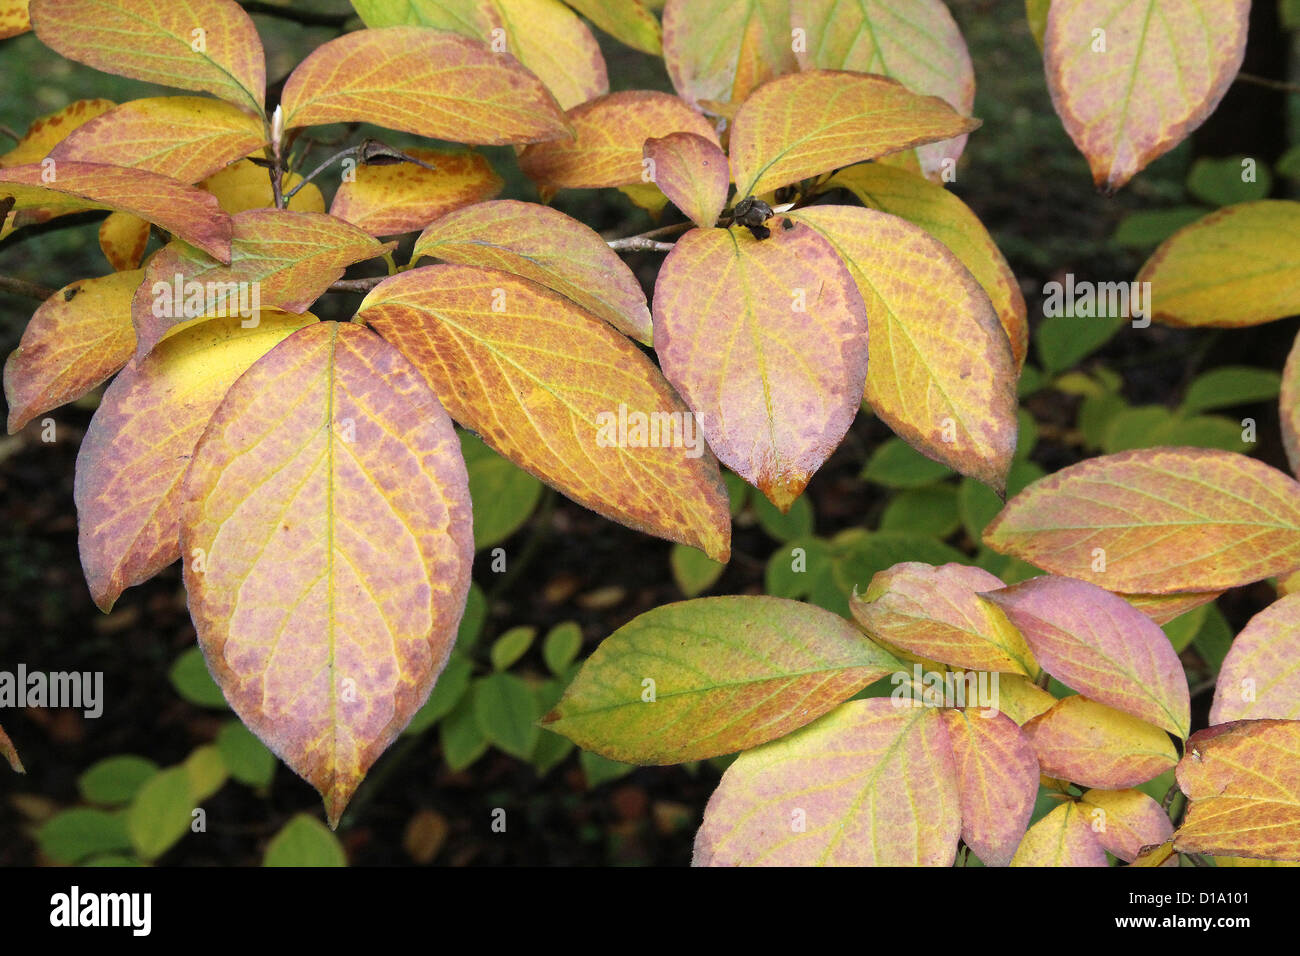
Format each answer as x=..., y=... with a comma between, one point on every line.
x=1125, y=821
x=1062, y=838
x=625, y=20
x=1093, y=745
x=997, y=781
x=692, y=172
x=1260, y=677
x=720, y=50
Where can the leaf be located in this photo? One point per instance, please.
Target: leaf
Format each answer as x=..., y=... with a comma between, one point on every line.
x=542, y=381
x=1021, y=699
x=1165, y=520
x=941, y=372
x=1101, y=646
x=206, y=772
x=510, y=646
x=123, y=238
x=997, y=781
x=936, y=613
x=10, y=753
x=692, y=172
x=278, y=259
x=722, y=49
x=245, y=185
x=870, y=784
x=246, y=757
x=459, y=736
x=711, y=676
x=775, y=376
x=421, y=81
x=1222, y=181
x=114, y=781
x=1243, y=782
x=1125, y=821
x=548, y=247
x=327, y=514
x=1289, y=406
x=452, y=684
x=931, y=510
x=468, y=17
x=76, y=339
x=795, y=523
x=75, y=834
x=916, y=42
x=1163, y=608
x=304, y=841
x=1062, y=838
x=560, y=646
x=808, y=123
x=896, y=464
x=948, y=219
x=504, y=497
x=557, y=46
x=189, y=675
x=1229, y=386
x=14, y=19
x=208, y=45
x=506, y=712
x=609, y=134
x=187, y=213
x=1260, y=677
x=1063, y=341
x=693, y=570
x=1093, y=745
x=160, y=813
x=132, y=459
x=626, y=20
x=1130, y=81
x=386, y=200
x=48, y=131
x=1036, y=13
x=1238, y=266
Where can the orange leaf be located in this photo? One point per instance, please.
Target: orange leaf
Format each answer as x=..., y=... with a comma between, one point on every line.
x=1157, y=520
x=721, y=49
x=548, y=247
x=7, y=749
x=245, y=185
x=140, y=440
x=1062, y=838
x=809, y=123
x=77, y=338
x=556, y=390
x=421, y=81
x=766, y=340
x=13, y=21
x=997, y=782
x=46, y=133
x=208, y=45
x=1163, y=608
x=1097, y=746
x=123, y=238
x=327, y=547
x=1132, y=80
x=692, y=172
x=1260, y=676
x=607, y=148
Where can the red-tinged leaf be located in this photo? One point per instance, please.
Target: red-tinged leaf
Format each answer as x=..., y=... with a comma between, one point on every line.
x=1260, y=677
x=808, y=123
x=184, y=211
x=548, y=247
x=284, y=259
x=997, y=782
x=941, y=372
x=725, y=674
x=1163, y=608
x=391, y=199
x=1094, y=745
x=936, y=613
x=76, y=339
x=47, y=132
x=609, y=134
x=184, y=137
x=543, y=382
x=123, y=238
x=722, y=49
x=327, y=547
x=1131, y=80
x=1062, y=838
x=8, y=751
x=1237, y=266
x=554, y=43
x=1289, y=406
x=869, y=784
x=131, y=462
x=944, y=216
x=1125, y=821
x=14, y=20
x=1157, y=520
x=916, y=42
x=1100, y=645
x=422, y=81
x=692, y=172
x=626, y=20
x=207, y=45
x=766, y=340
x=1243, y=781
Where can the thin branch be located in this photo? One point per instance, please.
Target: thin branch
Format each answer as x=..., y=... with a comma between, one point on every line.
x=356, y=285
x=23, y=287
x=305, y=17
x=11, y=134
x=1270, y=84
x=640, y=244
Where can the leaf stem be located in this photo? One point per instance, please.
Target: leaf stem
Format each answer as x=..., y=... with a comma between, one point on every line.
x=23, y=287
x=1269, y=83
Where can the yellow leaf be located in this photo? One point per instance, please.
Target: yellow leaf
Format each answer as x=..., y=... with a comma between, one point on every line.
x=46, y=133
x=1062, y=838
x=551, y=41
x=122, y=238
x=722, y=49
x=626, y=20
x=245, y=185
x=389, y=199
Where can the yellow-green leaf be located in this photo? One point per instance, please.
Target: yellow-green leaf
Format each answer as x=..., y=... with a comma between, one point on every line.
x=1062, y=838
x=1125, y=821
x=555, y=44
x=720, y=50
x=1093, y=745
x=625, y=20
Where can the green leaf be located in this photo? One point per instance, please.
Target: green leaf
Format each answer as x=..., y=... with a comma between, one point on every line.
x=472, y=621
x=737, y=491
x=73, y=835
x=189, y=675
x=511, y=646
x=161, y=812
x=446, y=694
x=1229, y=386
x=794, y=524
x=562, y=644
x=896, y=464
x=206, y=771
x=114, y=781
x=792, y=568
x=601, y=770
x=459, y=735
x=245, y=756
x=693, y=570
x=978, y=504
x=927, y=511
x=1214, y=638
x=1289, y=164
x=1027, y=434
x=1132, y=427
x=304, y=841
x=861, y=555
x=1184, y=627
x=1096, y=415
x=504, y=496
x=1064, y=341
x=1223, y=181
x=506, y=710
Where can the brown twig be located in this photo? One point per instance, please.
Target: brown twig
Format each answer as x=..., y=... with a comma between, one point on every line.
x=640, y=244
x=356, y=285
x=23, y=287
x=1270, y=84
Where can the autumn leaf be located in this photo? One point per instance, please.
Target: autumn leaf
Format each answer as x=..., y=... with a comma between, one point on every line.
x=7, y=749
x=555, y=44
x=183, y=137
x=1093, y=745
x=207, y=45
x=609, y=135
x=626, y=20
x=722, y=49
x=548, y=247
x=131, y=462
x=1021, y=699
x=766, y=341
x=1100, y=645
x=1163, y=608
x=288, y=259
x=1131, y=80
x=326, y=537
x=808, y=123
x=692, y=172
x=712, y=676
x=997, y=782
x=941, y=373
x=123, y=238
x=1062, y=838
x=1237, y=266
x=14, y=20
x=1243, y=781
x=471, y=18
x=245, y=185
x=1125, y=821
x=1260, y=676
x=1288, y=404
x=390, y=199
x=1157, y=520
x=546, y=384
x=76, y=339
x=48, y=131
x=869, y=784
x=421, y=81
